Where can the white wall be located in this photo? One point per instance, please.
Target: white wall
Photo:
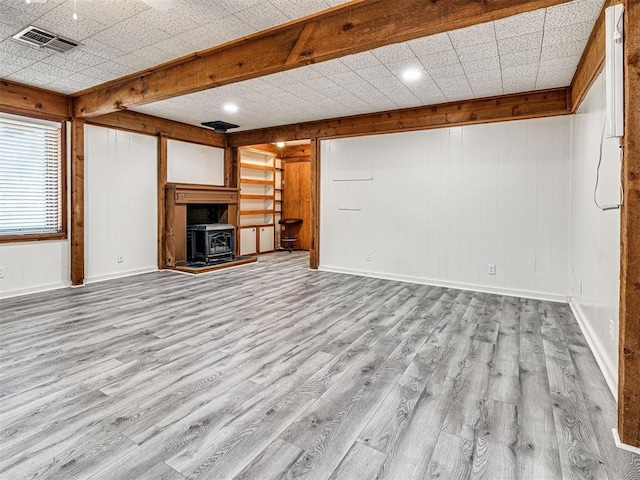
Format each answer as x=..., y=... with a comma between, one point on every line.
x=193, y=163
x=36, y=266
x=595, y=235
x=120, y=203
x=445, y=203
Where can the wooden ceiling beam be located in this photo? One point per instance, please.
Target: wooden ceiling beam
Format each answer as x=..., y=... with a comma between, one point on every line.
x=486, y=110
x=148, y=124
x=22, y=99
x=351, y=28
x=592, y=60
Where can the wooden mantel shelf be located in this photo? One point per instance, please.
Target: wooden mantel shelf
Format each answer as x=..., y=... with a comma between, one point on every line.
x=182, y=193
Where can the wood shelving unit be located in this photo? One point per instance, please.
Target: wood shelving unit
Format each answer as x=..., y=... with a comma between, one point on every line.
x=257, y=210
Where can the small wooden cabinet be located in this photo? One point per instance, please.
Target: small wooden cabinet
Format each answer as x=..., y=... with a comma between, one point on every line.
x=248, y=241
x=266, y=237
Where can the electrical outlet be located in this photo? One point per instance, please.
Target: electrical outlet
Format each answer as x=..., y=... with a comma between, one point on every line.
x=120, y=258
x=367, y=256
x=611, y=329
x=492, y=269
x=1, y=272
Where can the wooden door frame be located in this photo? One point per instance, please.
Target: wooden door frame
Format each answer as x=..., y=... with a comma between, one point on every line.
x=314, y=253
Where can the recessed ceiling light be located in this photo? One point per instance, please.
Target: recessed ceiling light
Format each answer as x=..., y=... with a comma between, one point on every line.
x=411, y=74
x=230, y=108
x=280, y=144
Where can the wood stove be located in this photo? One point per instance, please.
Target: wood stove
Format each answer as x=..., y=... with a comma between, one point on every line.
x=210, y=242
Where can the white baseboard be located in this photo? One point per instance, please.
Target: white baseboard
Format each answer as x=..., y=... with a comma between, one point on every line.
x=551, y=297
x=623, y=446
x=38, y=289
x=608, y=371
x=113, y=276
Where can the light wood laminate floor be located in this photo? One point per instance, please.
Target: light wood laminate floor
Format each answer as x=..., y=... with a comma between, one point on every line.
x=273, y=371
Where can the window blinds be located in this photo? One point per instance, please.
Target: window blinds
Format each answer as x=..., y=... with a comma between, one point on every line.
x=30, y=178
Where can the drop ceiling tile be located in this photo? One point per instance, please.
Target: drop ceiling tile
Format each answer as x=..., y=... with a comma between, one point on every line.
x=477, y=34
x=572, y=49
x=455, y=86
x=520, y=72
x=153, y=54
x=346, y=78
x=478, y=51
x=446, y=72
x=521, y=43
x=520, y=58
x=492, y=77
x=440, y=59
x=108, y=12
x=521, y=24
x=228, y=6
x=10, y=63
x=393, y=53
x=360, y=60
x=228, y=28
x=333, y=92
x=482, y=65
x=372, y=73
x=170, y=21
x=386, y=82
x=567, y=34
x=19, y=18
x=431, y=44
x=97, y=48
x=60, y=21
x=64, y=63
x=262, y=16
x=319, y=83
x=559, y=63
x=300, y=8
x=330, y=68
x=303, y=74
x=574, y=12
x=77, y=82
x=129, y=36
x=7, y=30
x=25, y=51
x=399, y=67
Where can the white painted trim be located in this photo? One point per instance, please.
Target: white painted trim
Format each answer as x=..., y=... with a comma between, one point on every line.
x=623, y=446
x=551, y=297
x=113, y=276
x=38, y=289
x=608, y=371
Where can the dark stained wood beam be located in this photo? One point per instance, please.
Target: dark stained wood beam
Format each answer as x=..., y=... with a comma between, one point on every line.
x=77, y=202
x=629, y=343
x=231, y=164
x=351, y=28
x=150, y=125
x=162, y=182
x=496, y=109
x=22, y=99
x=314, y=253
x=591, y=62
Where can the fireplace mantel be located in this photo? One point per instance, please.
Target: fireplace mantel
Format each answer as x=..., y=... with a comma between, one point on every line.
x=177, y=197
x=182, y=193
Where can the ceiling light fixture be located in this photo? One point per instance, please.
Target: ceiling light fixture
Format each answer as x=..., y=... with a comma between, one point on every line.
x=75, y=7
x=411, y=74
x=280, y=144
x=230, y=108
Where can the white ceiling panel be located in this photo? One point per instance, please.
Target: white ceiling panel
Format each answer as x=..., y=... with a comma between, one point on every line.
x=128, y=36
x=535, y=50
x=516, y=54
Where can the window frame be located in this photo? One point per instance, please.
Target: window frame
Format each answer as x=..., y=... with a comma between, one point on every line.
x=62, y=234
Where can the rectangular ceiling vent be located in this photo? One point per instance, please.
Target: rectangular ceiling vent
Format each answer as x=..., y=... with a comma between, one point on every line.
x=41, y=38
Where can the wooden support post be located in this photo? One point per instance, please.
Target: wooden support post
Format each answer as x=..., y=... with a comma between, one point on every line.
x=231, y=167
x=314, y=254
x=629, y=345
x=77, y=202
x=162, y=181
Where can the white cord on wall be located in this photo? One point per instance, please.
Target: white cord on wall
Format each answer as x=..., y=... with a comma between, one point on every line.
x=604, y=208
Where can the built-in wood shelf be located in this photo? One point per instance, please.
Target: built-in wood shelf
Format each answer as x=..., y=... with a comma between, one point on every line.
x=256, y=167
x=258, y=197
x=257, y=212
x=252, y=181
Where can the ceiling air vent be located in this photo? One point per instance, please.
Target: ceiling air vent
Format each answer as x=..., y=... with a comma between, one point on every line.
x=41, y=38
x=220, y=126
